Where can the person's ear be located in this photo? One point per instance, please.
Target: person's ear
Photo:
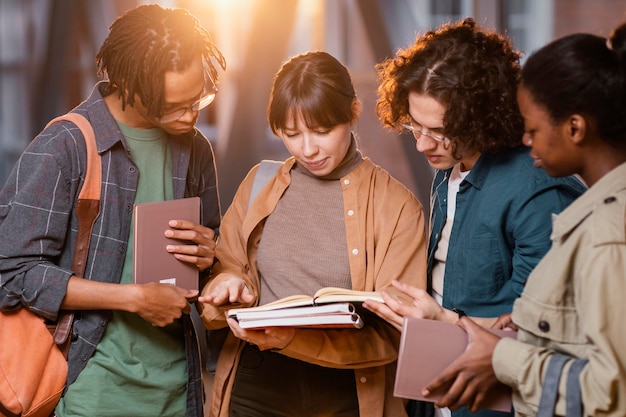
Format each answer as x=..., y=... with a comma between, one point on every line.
x=577, y=128
x=357, y=108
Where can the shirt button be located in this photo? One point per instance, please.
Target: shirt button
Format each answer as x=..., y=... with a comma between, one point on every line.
x=350, y=212
x=131, y=169
x=346, y=182
x=355, y=251
x=363, y=379
x=129, y=207
x=544, y=326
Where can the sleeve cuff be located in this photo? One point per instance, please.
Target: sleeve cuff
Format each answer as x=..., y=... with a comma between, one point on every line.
x=508, y=359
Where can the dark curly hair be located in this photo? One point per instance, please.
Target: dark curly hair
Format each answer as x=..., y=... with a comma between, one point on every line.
x=582, y=74
x=147, y=42
x=473, y=72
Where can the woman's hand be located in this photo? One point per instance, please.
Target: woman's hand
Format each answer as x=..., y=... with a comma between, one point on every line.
x=202, y=252
x=505, y=321
x=470, y=379
x=231, y=289
x=268, y=338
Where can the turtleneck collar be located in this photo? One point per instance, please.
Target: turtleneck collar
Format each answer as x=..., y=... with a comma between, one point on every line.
x=352, y=159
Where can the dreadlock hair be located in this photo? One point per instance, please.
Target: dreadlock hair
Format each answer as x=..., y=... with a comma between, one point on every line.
x=144, y=44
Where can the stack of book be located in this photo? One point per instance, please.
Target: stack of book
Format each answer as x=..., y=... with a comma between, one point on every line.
x=329, y=308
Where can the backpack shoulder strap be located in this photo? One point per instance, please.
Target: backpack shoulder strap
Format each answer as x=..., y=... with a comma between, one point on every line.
x=88, y=202
x=87, y=210
x=267, y=169
x=93, y=176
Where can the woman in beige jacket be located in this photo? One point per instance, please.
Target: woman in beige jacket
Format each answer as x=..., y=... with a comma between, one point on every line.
x=329, y=217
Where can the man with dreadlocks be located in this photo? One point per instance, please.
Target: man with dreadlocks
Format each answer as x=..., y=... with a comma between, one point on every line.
x=133, y=350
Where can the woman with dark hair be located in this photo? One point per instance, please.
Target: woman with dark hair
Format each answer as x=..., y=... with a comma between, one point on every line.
x=570, y=354
x=454, y=89
x=328, y=218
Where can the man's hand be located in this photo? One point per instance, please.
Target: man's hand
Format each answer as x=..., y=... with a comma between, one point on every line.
x=421, y=306
x=161, y=304
x=202, y=252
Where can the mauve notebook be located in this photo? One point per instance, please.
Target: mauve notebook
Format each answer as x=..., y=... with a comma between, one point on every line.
x=152, y=263
x=427, y=347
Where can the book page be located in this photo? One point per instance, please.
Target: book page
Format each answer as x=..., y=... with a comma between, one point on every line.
x=334, y=295
x=287, y=302
x=334, y=308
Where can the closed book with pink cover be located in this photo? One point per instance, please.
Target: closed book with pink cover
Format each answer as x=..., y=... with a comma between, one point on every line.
x=427, y=347
x=152, y=262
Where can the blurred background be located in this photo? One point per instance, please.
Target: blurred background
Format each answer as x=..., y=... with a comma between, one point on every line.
x=48, y=48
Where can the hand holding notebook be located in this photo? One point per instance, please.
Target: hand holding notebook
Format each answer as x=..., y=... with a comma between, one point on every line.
x=427, y=347
x=152, y=262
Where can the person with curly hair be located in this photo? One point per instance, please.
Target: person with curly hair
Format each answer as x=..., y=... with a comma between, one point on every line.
x=569, y=358
x=133, y=349
x=455, y=89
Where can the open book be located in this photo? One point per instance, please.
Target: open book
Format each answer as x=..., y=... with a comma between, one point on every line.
x=329, y=307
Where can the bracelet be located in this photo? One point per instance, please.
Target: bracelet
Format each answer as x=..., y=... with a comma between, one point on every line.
x=461, y=313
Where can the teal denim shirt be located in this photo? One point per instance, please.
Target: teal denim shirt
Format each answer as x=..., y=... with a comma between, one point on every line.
x=501, y=229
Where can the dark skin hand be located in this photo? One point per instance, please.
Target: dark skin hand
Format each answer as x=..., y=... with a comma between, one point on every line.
x=471, y=374
x=504, y=322
x=202, y=252
x=159, y=304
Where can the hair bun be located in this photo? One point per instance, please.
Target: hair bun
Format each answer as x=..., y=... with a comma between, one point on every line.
x=617, y=41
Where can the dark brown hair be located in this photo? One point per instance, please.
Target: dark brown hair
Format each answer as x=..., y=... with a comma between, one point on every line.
x=147, y=42
x=314, y=85
x=582, y=74
x=473, y=72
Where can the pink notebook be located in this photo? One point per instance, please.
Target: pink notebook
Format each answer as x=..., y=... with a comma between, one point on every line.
x=427, y=347
x=152, y=263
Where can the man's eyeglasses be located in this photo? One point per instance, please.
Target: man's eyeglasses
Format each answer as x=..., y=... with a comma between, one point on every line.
x=207, y=97
x=418, y=131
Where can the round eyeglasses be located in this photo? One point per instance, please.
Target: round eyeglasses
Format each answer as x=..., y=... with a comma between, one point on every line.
x=418, y=131
x=207, y=97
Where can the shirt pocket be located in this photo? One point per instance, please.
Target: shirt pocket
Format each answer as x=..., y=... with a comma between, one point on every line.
x=554, y=323
x=480, y=267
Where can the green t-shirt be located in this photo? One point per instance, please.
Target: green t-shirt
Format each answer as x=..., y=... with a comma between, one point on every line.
x=137, y=369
